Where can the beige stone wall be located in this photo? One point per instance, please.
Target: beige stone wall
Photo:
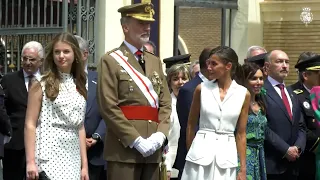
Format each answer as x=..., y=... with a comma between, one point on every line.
x=293, y=37
x=282, y=29
x=199, y=28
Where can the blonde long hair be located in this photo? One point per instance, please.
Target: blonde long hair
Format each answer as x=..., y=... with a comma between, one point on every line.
x=52, y=76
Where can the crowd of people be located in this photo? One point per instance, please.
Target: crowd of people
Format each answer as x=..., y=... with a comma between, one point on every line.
x=213, y=119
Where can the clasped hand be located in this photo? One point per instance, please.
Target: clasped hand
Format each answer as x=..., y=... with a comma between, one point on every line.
x=292, y=153
x=150, y=145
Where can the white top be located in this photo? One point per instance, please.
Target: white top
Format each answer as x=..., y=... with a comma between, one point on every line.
x=57, y=132
x=174, y=134
x=218, y=120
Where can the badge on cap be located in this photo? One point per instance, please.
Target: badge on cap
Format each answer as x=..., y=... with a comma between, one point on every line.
x=306, y=105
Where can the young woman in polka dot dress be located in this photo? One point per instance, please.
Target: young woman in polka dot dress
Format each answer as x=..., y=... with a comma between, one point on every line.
x=54, y=131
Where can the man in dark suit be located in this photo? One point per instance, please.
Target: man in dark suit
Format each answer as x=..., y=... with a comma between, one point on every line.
x=94, y=124
x=5, y=127
x=15, y=86
x=184, y=101
x=308, y=68
x=285, y=136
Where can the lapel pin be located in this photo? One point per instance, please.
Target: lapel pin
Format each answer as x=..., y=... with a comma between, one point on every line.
x=126, y=53
x=94, y=82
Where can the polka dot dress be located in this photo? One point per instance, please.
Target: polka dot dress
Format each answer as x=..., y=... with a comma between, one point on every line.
x=57, y=133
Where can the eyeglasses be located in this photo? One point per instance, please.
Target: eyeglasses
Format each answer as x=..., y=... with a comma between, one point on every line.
x=30, y=59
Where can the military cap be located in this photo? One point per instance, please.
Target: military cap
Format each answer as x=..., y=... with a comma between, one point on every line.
x=258, y=59
x=140, y=11
x=180, y=59
x=311, y=64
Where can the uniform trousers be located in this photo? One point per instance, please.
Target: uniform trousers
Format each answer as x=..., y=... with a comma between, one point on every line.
x=133, y=171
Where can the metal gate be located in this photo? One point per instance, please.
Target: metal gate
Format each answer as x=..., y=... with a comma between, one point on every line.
x=39, y=20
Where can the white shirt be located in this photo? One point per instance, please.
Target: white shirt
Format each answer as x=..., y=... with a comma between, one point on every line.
x=274, y=83
x=202, y=77
x=26, y=78
x=306, y=88
x=132, y=49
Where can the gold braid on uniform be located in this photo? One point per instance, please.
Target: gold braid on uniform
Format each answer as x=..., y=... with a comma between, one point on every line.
x=298, y=91
x=109, y=52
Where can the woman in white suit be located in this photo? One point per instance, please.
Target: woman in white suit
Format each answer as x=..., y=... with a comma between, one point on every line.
x=177, y=76
x=222, y=105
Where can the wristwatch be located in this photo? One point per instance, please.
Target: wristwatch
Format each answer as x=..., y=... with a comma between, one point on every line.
x=96, y=137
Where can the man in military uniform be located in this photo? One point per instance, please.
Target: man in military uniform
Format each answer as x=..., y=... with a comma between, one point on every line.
x=308, y=66
x=134, y=101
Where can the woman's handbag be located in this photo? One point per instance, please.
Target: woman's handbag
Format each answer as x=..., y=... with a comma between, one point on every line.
x=43, y=176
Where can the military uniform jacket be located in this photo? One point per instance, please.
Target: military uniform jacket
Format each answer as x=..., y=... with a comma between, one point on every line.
x=313, y=131
x=116, y=88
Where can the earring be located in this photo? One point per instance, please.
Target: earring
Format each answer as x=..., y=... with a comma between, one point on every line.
x=77, y=61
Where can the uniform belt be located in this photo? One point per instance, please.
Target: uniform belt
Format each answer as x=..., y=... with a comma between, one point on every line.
x=140, y=113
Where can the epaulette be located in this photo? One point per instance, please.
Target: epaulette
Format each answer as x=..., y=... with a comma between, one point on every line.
x=112, y=50
x=298, y=91
x=149, y=52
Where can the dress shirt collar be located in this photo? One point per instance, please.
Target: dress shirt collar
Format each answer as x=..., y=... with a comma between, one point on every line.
x=36, y=74
x=131, y=47
x=306, y=88
x=202, y=77
x=274, y=82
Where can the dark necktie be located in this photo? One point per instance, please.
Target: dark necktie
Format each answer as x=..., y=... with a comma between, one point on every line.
x=140, y=59
x=285, y=100
x=30, y=81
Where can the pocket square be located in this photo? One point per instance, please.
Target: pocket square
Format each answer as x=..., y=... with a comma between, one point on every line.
x=94, y=82
x=123, y=71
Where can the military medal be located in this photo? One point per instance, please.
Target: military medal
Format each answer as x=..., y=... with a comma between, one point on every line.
x=126, y=53
x=131, y=88
x=306, y=105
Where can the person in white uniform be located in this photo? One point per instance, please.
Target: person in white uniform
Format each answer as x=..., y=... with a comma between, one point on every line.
x=54, y=134
x=223, y=108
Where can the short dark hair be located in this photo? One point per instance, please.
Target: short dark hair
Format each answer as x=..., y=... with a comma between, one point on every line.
x=205, y=54
x=153, y=46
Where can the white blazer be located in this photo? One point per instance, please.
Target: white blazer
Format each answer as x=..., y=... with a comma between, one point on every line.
x=174, y=134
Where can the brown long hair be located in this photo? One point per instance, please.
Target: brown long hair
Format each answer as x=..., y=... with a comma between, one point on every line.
x=52, y=76
x=249, y=70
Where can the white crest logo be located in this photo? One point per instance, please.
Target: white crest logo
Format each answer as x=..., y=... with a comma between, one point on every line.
x=306, y=16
